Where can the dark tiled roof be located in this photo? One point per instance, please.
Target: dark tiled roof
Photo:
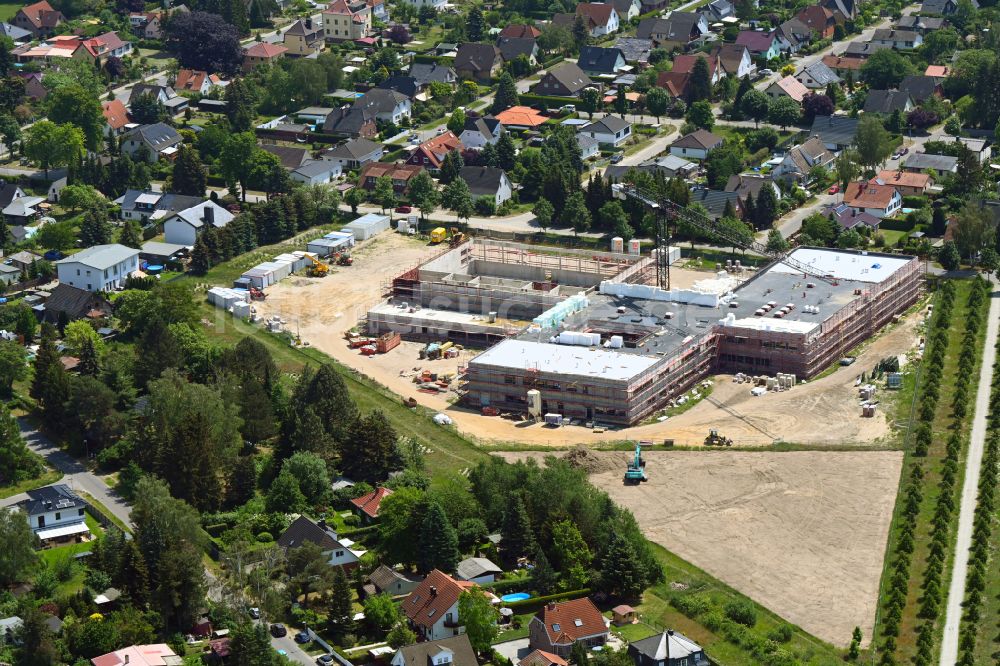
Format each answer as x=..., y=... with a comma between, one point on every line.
x=839, y=130
x=919, y=87
x=302, y=530
x=422, y=654
x=51, y=498
x=886, y=101
x=598, y=59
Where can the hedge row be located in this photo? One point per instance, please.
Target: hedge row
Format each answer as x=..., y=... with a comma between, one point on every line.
x=527, y=99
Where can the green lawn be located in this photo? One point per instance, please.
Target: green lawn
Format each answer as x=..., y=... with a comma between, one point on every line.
x=8, y=9
x=47, y=477
x=52, y=555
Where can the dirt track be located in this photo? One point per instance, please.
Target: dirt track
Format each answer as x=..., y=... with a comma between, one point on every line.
x=323, y=309
x=803, y=533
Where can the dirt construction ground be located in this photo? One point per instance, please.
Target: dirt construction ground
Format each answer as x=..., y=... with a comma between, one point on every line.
x=822, y=412
x=803, y=533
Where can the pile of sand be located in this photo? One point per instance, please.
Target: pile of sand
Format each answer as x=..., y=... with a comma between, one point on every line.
x=589, y=461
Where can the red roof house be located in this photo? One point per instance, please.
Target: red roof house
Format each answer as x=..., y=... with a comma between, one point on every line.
x=115, y=116
x=431, y=153
x=557, y=627
x=432, y=608
x=369, y=503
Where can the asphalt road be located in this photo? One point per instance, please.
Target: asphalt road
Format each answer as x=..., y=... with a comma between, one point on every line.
x=970, y=486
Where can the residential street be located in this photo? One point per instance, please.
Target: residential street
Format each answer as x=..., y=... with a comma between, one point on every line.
x=970, y=487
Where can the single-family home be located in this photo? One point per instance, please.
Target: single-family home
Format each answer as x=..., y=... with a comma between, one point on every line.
x=937, y=72
x=818, y=19
x=596, y=60
x=843, y=65
x=836, y=132
x=291, y=157
x=979, y=147
x=346, y=20
x=56, y=513
x=695, y=145
x=788, y=86
x=431, y=153
x=520, y=31
x=14, y=33
x=760, y=44
x=564, y=80
x=261, y=53
x=385, y=105
x=859, y=49
x=22, y=211
x=480, y=131
x=817, y=76
x=9, y=275
x=920, y=88
x=792, y=35
x=902, y=40
x=368, y=505
x=338, y=550
x=183, y=227
x=479, y=62
x=522, y=117
x=439, y=5
x=486, y=181
x=750, y=185
x=158, y=139
x=667, y=648
x=38, y=18
x=589, y=146
x=843, y=10
x=165, y=95
x=717, y=10
x=197, y=80
x=635, y=50
x=515, y=47
x=432, y=608
x=479, y=570
x=115, y=117
x=316, y=172
x=940, y=164
x=148, y=205
x=734, y=60
x=629, y=9
x=304, y=38
x=351, y=122
x=98, y=268
x=921, y=24
x=69, y=303
x=354, y=153
x=601, y=17
x=401, y=83
x=542, y=658
x=97, y=50
x=557, y=627
x=9, y=628
x=716, y=202
x=848, y=218
x=427, y=73
x=874, y=197
x=400, y=174
x=610, y=130
x=139, y=655
x=387, y=580
x=453, y=651
x=887, y=102
x=906, y=182
x=942, y=7
x=800, y=160
x=685, y=64
x=674, y=32
x=668, y=165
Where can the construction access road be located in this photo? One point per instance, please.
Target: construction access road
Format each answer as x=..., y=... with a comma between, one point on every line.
x=970, y=487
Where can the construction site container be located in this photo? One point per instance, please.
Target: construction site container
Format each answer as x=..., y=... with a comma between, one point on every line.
x=386, y=342
x=242, y=310
x=558, y=313
x=578, y=338
x=258, y=277
x=553, y=419
x=894, y=380
x=368, y=226
x=618, y=245
x=224, y=297
x=438, y=234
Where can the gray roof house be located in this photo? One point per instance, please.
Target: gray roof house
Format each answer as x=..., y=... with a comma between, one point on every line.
x=15, y=33
x=858, y=49
x=942, y=7
x=354, y=153
x=942, y=164
x=836, y=132
x=750, y=185
x=801, y=159
x=183, y=227
x=55, y=512
x=595, y=60
x=668, y=165
x=817, y=75
x=478, y=61
x=98, y=268
x=918, y=23
x=887, y=101
x=487, y=182
x=165, y=95
x=715, y=201
x=477, y=570
x=675, y=31
x=158, y=139
x=667, y=648
x=427, y=73
x=391, y=581
x=512, y=47
x=350, y=122
x=920, y=87
x=609, y=130
x=634, y=49
x=564, y=80
x=454, y=651
x=144, y=206
x=387, y=105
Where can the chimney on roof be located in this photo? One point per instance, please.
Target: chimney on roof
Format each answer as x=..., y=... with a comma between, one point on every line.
x=209, y=214
x=434, y=591
x=322, y=524
x=551, y=606
x=309, y=24
x=670, y=632
x=126, y=658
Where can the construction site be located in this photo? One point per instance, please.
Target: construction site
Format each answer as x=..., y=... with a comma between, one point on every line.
x=575, y=335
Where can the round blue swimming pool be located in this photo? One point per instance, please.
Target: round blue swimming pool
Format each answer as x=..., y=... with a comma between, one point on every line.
x=516, y=596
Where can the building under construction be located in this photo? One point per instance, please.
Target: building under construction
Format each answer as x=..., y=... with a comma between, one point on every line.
x=590, y=337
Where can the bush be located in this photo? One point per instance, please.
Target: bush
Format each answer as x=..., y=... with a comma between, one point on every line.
x=352, y=520
x=742, y=612
x=265, y=537
x=781, y=633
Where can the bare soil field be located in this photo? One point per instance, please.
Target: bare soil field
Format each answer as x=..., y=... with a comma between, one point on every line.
x=822, y=412
x=803, y=533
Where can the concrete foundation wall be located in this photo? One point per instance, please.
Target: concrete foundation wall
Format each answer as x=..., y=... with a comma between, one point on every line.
x=534, y=273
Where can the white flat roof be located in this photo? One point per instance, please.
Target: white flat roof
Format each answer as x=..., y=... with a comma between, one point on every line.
x=565, y=359
x=768, y=323
x=846, y=265
x=65, y=530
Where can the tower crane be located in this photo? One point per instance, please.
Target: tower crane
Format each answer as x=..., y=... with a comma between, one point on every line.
x=667, y=211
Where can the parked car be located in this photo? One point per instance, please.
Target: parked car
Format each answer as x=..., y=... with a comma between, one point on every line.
x=254, y=612
x=278, y=630
x=767, y=72
x=617, y=157
x=403, y=209
x=303, y=637
x=833, y=189
x=54, y=255
x=324, y=660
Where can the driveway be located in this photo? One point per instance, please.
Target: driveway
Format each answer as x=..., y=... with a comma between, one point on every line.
x=514, y=650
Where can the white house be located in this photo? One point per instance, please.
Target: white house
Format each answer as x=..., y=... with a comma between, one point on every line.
x=488, y=182
x=432, y=608
x=602, y=17
x=354, y=153
x=317, y=172
x=695, y=145
x=436, y=4
x=98, y=268
x=339, y=551
x=454, y=651
x=477, y=570
x=480, y=131
x=589, y=147
x=610, y=130
x=55, y=512
x=873, y=197
x=183, y=227
x=384, y=104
